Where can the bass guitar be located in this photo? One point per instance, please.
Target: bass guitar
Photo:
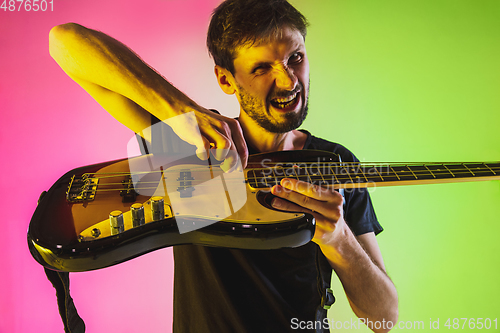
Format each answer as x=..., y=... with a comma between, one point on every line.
x=104, y=214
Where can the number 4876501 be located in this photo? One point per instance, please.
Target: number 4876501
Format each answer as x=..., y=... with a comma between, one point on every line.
x=471, y=323
x=27, y=5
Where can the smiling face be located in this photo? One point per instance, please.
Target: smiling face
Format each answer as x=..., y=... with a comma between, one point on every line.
x=271, y=81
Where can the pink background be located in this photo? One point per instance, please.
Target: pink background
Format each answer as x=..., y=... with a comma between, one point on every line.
x=391, y=70
x=50, y=125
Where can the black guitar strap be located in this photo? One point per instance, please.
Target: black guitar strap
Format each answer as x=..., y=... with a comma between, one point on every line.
x=72, y=321
x=327, y=297
x=324, y=284
x=60, y=281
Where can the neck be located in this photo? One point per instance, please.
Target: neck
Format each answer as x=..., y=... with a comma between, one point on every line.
x=265, y=141
x=327, y=171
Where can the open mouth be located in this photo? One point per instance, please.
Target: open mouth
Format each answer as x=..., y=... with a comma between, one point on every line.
x=285, y=102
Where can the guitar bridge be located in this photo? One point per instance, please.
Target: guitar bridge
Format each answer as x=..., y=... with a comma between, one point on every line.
x=81, y=189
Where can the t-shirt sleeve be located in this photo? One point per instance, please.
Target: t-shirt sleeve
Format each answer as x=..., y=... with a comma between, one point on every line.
x=358, y=208
x=359, y=213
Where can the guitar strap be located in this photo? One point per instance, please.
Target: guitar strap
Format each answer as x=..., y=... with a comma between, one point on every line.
x=73, y=323
x=60, y=281
x=324, y=286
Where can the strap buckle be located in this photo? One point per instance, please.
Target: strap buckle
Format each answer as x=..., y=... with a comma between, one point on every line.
x=327, y=299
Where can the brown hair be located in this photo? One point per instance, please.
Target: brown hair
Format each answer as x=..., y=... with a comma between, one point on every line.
x=236, y=23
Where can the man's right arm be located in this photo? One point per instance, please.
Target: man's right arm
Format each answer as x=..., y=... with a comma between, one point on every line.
x=131, y=91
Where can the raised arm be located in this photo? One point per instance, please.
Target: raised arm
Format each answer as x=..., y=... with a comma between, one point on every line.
x=130, y=90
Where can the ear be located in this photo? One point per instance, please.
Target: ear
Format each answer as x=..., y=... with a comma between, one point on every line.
x=225, y=79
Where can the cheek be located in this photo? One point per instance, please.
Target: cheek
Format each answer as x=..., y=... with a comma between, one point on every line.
x=303, y=72
x=303, y=75
x=259, y=87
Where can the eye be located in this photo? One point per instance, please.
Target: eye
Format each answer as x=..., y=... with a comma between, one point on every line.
x=296, y=58
x=261, y=69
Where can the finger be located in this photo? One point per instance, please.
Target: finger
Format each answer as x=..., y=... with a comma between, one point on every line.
x=236, y=154
x=202, y=149
x=329, y=206
x=310, y=190
x=221, y=145
x=228, y=156
x=187, y=128
x=218, y=133
x=231, y=162
x=240, y=144
x=297, y=194
x=296, y=197
x=288, y=206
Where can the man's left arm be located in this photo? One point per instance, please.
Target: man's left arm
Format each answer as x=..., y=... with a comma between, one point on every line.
x=356, y=260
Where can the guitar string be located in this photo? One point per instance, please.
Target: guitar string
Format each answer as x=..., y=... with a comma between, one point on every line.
x=272, y=180
x=343, y=175
x=346, y=170
x=359, y=167
x=340, y=164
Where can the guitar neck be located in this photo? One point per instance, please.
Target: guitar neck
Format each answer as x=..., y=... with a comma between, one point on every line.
x=361, y=175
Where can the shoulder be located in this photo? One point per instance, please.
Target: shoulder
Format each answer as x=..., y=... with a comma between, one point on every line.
x=316, y=143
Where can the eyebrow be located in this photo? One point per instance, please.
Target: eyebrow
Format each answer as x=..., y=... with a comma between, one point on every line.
x=266, y=63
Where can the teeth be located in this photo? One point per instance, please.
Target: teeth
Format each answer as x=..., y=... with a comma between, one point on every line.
x=285, y=100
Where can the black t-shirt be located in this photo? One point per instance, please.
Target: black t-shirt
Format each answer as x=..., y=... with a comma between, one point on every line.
x=229, y=290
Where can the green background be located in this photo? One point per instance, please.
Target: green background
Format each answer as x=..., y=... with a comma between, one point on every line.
x=417, y=81
x=392, y=80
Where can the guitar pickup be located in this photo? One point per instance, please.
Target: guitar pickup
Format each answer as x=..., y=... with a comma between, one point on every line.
x=128, y=192
x=185, y=184
x=81, y=189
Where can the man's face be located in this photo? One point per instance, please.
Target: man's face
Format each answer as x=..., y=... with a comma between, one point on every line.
x=272, y=80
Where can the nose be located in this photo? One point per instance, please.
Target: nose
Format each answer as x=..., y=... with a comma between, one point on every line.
x=285, y=78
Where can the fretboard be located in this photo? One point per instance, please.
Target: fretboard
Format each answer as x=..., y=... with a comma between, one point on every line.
x=359, y=175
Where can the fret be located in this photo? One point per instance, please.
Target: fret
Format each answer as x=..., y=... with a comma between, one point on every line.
x=264, y=181
x=411, y=172
x=316, y=176
x=288, y=172
x=323, y=181
x=261, y=176
x=402, y=172
x=252, y=180
x=359, y=170
x=300, y=174
x=395, y=173
x=363, y=173
x=449, y=170
x=479, y=169
x=277, y=174
x=347, y=172
x=440, y=171
x=369, y=172
x=275, y=178
x=335, y=179
x=468, y=169
x=378, y=172
x=421, y=172
x=433, y=175
x=340, y=173
x=486, y=165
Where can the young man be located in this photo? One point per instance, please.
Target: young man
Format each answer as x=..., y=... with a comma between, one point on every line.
x=260, y=56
